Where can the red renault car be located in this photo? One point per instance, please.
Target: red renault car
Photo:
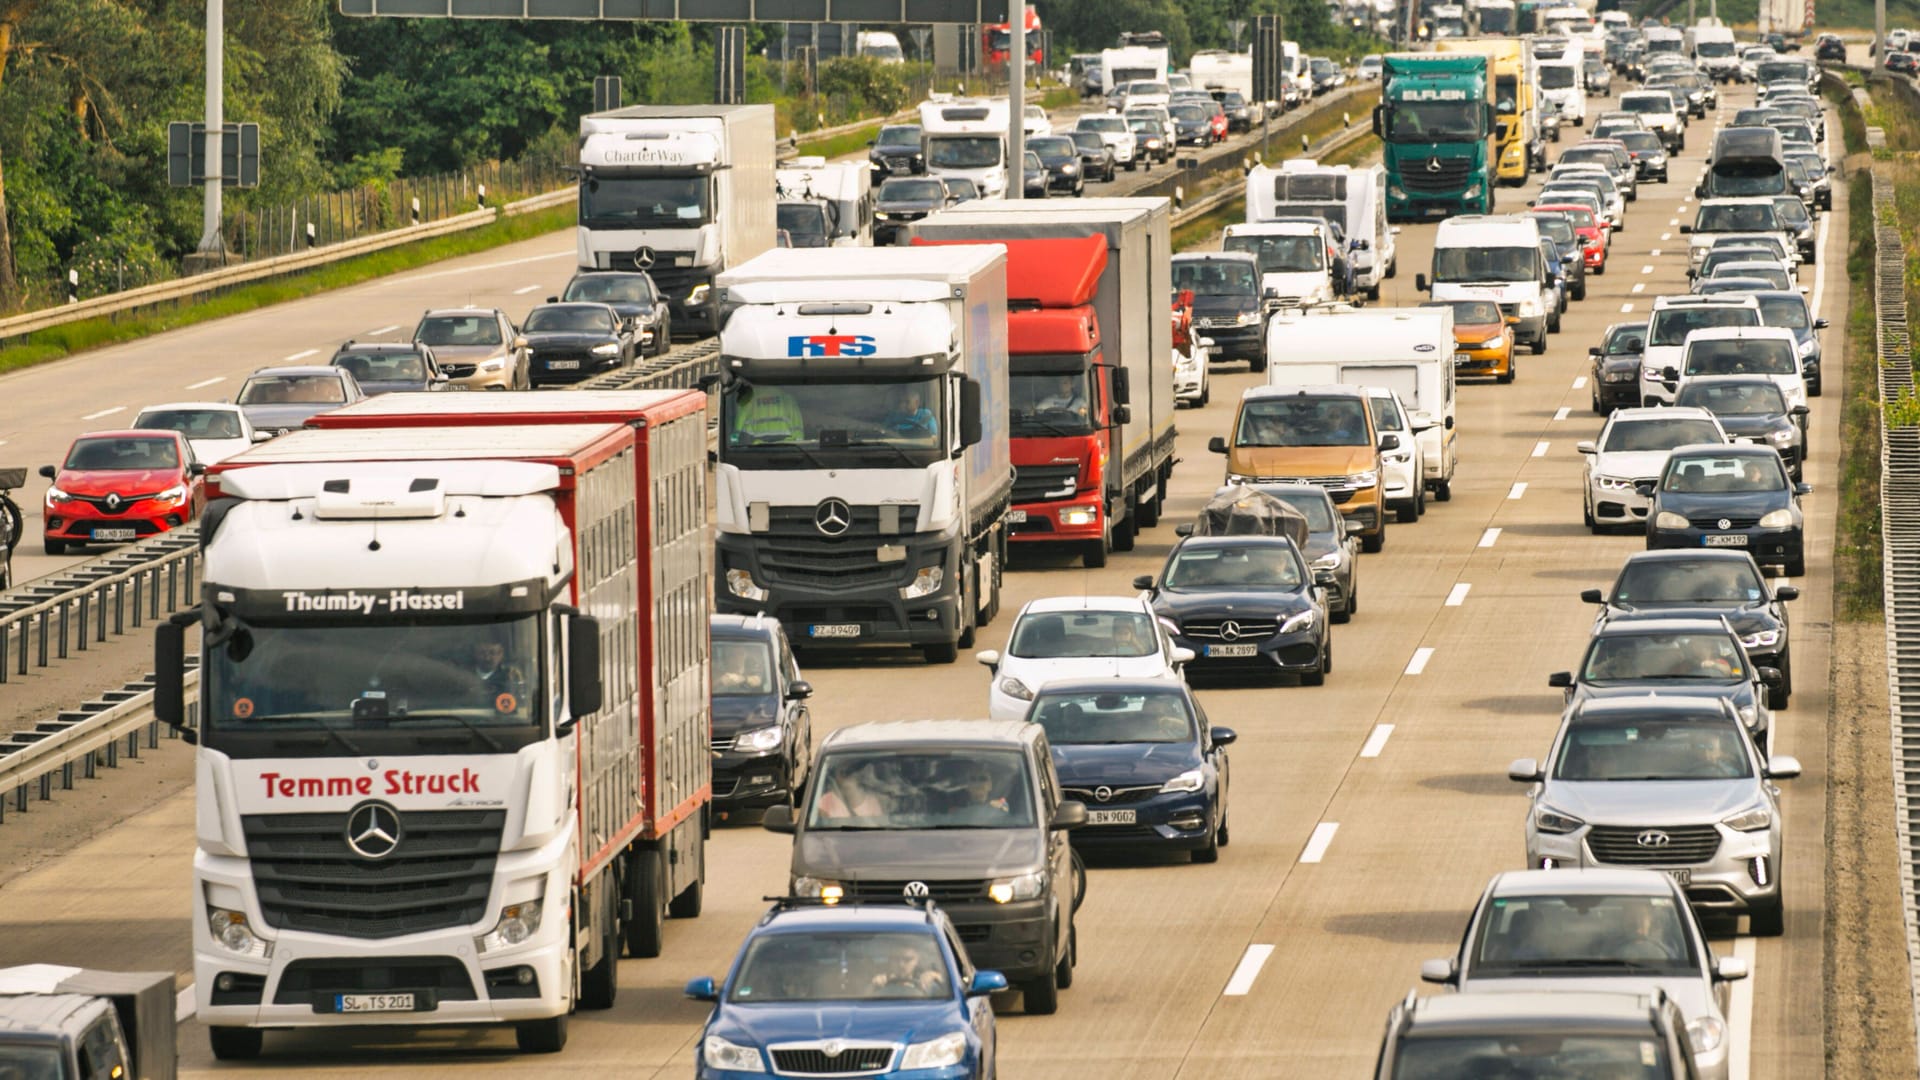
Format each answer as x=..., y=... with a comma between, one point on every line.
x=1594, y=235
x=121, y=485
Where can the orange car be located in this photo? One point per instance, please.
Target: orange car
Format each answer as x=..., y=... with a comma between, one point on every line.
x=1482, y=339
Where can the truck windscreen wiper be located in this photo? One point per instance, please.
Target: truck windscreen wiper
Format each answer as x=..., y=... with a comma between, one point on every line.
x=334, y=732
x=492, y=743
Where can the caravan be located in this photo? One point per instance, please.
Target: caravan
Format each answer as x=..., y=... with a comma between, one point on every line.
x=831, y=205
x=966, y=139
x=1351, y=197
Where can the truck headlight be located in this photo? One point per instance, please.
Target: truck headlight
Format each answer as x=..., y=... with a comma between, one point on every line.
x=1530, y=306
x=1078, y=515
x=1472, y=192
x=232, y=933
x=925, y=582
x=1394, y=191
x=1705, y=1033
x=699, y=295
x=1021, y=887
x=1764, y=639
x=1191, y=780
x=517, y=924
x=718, y=1053
x=947, y=1050
x=1752, y=819
x=1549, y=820
x=740, y=583
x=1015, y=689
x=1777, y=519
x=608, y=349
x=759, y=740
x=1667, y=519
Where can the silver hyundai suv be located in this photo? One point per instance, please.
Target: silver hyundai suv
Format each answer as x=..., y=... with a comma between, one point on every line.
x=1663, y=783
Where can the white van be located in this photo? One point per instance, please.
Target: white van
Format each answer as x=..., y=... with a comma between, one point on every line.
x=1772, y=351
x=882, y=45
x=1493, y=257
x=844, y=188
x=1714, y=53
x=1408, y=351
x=1674, y=318
x=1295, y=270
x=1563, y=82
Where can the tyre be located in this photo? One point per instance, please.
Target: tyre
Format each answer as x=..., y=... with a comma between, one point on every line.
x=1042, y=995
x=1768, y=921
x=1373, y=292
x=691, y=899
x=235, y=1043
x=1372, y=544
x=1149, y=511
x=1220, y=835
x=1131, y=165
x=59, y=547
x=1419, y=501
x=1210, y=853
x=1512, y=370
x=1586, y=513
x=1797, y=568
x=1600, y=270
x=1813, y=388
x=1406, y=514
x=1206, y=392
x=646, y=881
x=1079, y=887
x=1257, y=363
x=1123, y=533
x=1318, y=677
x=1777, y=695
x=547, y=1036
x=1063, y=971
x=600, y=984
x=1443, y=491
x=1343, y=615
x=1093, y=554
x=1539, y=347
x=940, y=654
x=1581, y=292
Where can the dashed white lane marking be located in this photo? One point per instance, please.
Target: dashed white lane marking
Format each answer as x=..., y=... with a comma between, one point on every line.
x=1655, y=253
x=183, y=1005
x=1318, y=843
x=1626, y=309
x=1740, y=1015
x=524, y=290
x=383, y=330
x=1247, y=970
x=301, y=355
x=1517, y=490
x=1487, y=538
x=1639, y=287
x=1419, y=662
x=1459, y=594
x=1580, y=383
x=1675, y=221
x=1540, y=449
x=1562, y=412
x=203, y=383
x=1377, y=741
x=1646, y=269
x=104, y=412
x=1666, y=236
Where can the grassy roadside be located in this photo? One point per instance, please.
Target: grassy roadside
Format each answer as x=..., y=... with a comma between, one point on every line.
x=1857, y=541
x=61, y=341
x=833, y=146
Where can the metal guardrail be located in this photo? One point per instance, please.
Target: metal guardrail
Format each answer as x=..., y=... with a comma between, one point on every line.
x=1226, y=193
x=51, y=617
x=1225, y=158
x=75, y=744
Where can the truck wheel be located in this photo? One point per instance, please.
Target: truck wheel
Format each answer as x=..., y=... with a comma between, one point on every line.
x=1093, y=554
x=1042, y=994
x=1443, y=491
x=1149, y=511
x=1539, y=345
x=1123, y=533
x=645, y=882
x=940, y=654
x=691, y=899
x=600, y=984
x=547, y=1036
x=235, y=1043
x=1257, y=363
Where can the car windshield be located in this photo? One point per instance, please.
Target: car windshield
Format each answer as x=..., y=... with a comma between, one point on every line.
x=1772, y=274
x=1722, y=254
x=818, y=965
x=1671, y=325
x=1639, y=436
x=962, y=189
x=194, y=423
x=1755, y=398
x=1532, y=1054
x=1471, y=264
x=1647, y=103
x=1557, y=228
x=1753, y=356
x=899, y=135
x=1580, y=216
x=1111, y=125
x=1595, y=934
x=1645, y=142
x=1191, y=113
x=35, y=1061
x=900, y=788
x=911, y=191
x=1792, y=211
x=741, y=668
x=964, y=151
x=1311, y=501
x=1142, y=126
x=1738, y=217
x=1303, y=421
x=292, y=390
x=805, y=224
x=570, y=320
x=1054, y=150
x=366, y=367
x=1216, y=277
x=1057, y=635
x=1786, y=311
x=1434, y=121
x=610, y=289
x=1681, y=655
x=1471, y=312
x=1149, y=89
x=1251, y=567
x=1724, y=474
x=1647, y=748
x=1627, y=340
x=1088, y=718
x=1088, y=142
x=123, y=453
x=439, y=330
x=1701, y=581
x=1281, y=254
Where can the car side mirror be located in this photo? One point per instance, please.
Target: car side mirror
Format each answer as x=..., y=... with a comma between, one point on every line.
x=263, y=436
x=801, y=690
x=1769, y=676
x=1803, y=489
x=1592, y=596
x=1820, y=324
x=702, y=989
x=1787, y=592
x=1221, y=736
x=1594, y=351
x=1070, y=814
x=988, y=658
x=1144, y=581
x=1585, y=446
x=1389, y=441
x=50, y=472
x=1699, y=191
x=1560, y=679
x=778, y=818
x=970, y=412
x=1799, y=410
x=1729, y=969
x=519, y=343
x=986, y=982
x=1447, y=423
x=198, y=468
x=1183, y=530
x=1123, y=414
x=1420, y=283
x=1181, y=655
x=1441, y=971
x=1782, y=767
x=1645, y=487
x=1525, y=770
x=1270, y=294
x=1685, y=229
x=1215, y=445
x=553, y=299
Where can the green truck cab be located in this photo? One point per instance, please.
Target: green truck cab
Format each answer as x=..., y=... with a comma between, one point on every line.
x=1436, y=120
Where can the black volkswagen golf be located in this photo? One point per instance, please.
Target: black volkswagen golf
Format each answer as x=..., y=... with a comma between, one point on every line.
x=1736, y=496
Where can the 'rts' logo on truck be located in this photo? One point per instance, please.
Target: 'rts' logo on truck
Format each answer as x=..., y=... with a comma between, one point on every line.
x=831, y=345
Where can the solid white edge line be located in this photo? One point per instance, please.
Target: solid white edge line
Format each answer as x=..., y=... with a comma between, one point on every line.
x=104, y=412
x=1740, y=1015
x=183, y=1005
x=1377, y=741
x=567, y=254
x=301, y=355
x=1487, y=538
x=1517, y=490
x=1318, y=843
x=1419, y=662
x=204, y=383
x=1458, y=594
x=1540, y=449
x=1562, y=412
x=1247, y=970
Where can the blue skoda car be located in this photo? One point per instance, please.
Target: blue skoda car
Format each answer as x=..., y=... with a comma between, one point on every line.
x=870, y=990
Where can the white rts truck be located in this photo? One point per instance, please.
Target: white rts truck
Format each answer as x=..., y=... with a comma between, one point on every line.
x=452, y=713
x=679, y=191
x=830, y=204
x=864, y=472
x=966, y=139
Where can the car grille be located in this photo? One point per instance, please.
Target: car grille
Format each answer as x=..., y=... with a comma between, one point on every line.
x=1731, y=522
x=437, y=877
x=1119, y=796
x=1041, y=483
x=1250, y=630
x=1621, y=844
x=459, y=371
x=99, y=502
x=893, y=889
x=578, y=356
x=813, y=1061
x=1423, y=177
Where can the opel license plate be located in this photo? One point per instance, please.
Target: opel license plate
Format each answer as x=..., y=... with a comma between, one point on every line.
x=372, y=1003
x=845, y=629
x=1110, y=817
x=1016, y=517
x=1232, y=650
x=1724, y=540
x=113, y=534
x=1681, y=877
x=563, y=365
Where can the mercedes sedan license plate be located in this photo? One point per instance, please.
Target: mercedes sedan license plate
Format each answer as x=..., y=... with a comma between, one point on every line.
x=1232, y=650
x=1110, y=817
x=563, y=365
x=1724, y=540
x=849, y=629
x=370, y=1003
x=1681, y=877
x=113, y=534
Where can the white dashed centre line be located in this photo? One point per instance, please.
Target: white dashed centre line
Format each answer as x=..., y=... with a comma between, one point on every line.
x=1419, y=662
x=1580, y=383
x=1377, y=741
x=1517, y=490
x=1247, y=970
x=1655, y=253
x=203, y=383
x=1540, y=449
x=1626, y=309
x=1646, y=269
x=104, y=412
x=1318, y=843
x=301, y=355
x=1639, y=287
x=1459, y=594
x=1487, y=538
x=524, y=290
x=382, y=330
x=1666, y=236
x=1675, y=221
x=1562, y=412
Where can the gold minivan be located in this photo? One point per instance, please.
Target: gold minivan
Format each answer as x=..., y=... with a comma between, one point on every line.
x=1321, y=435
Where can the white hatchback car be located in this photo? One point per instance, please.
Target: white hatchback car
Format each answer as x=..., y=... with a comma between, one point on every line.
x=1078, y=637
x=216, y=430
x=1632, y=447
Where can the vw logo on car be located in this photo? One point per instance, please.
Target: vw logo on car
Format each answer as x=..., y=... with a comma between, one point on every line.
x=916, y=890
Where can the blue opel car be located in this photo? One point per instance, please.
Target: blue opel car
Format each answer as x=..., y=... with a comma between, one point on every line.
x=850, y=989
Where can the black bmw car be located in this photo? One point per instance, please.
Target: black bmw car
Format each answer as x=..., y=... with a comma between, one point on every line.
x=1245, y=605
x=762, y=730
x=1615, y=376
x=903, y=200
x=633, y=295
x=569, y=342
x=1736, y=496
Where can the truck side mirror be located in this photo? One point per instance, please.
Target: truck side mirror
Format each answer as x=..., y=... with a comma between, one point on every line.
x=1122, y=383
x=1217, y=445
x=1376, y=119
x=584, y=691
x=170, y=671
x=969, y=412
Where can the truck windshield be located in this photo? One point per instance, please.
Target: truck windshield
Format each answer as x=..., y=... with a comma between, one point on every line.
x=1746, y=176
x=865, y=791
x=1505, y=94
x=1051, y=403
x=1434, y=121
x=1282, y=254
x=1556, y=77
x=1456, y=265
x=963, y=152
x=641, y=202
x=1304, y=421
x=804, y=222
x=33, y=1061
x=811, y=424
x=332, y=684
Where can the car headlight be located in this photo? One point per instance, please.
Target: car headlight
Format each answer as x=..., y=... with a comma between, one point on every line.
x=949, y=1049
x=1749, y=714
x=1706, y=1033
x=1297, y=623
x=55, y=495
x=1777, y=519
x=1667, y=519
x=1765, y=639
x=1238, y=478
x=1654, y=374
x=1619, y=376
x=925, y=582
x=517, y=923
x=1530, y=306
x=1329, y=561
x=1364, y=479
x=172, y=494
x=1752, y=819
x=1016, y=689
x=496, y=364
x=1398, y=457
x=1783, y=436
x=1191, y=780
x=740, y=583
x=759, y=740
x=1069, y=169
x=718, y=1053
x=1549, y=820
x=1020, y=887
x=1247, y=318
x=1808, y=346
x=232, y=933
x=608, y=349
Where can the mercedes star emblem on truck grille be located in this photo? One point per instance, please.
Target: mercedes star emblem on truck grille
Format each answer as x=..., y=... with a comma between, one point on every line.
x=832, y=517
x=643, y=257
x=373, y=830
x=1433, y=165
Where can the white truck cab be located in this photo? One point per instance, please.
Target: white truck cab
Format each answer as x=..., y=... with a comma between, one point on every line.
x=1295, y=266
x=1493, y=257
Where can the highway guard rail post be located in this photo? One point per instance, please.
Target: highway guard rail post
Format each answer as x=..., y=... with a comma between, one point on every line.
x=51, y=617
x=75, y=743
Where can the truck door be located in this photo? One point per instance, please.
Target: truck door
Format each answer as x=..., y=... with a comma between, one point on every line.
x=101, y=1052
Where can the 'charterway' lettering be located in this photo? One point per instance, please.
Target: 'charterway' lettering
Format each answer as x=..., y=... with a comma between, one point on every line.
x=359, y=603
x=393, y=782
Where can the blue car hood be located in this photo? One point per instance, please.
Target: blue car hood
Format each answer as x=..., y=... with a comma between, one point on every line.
x=905, y=1022
x=1123, y=765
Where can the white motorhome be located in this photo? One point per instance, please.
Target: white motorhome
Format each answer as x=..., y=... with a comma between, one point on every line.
x=1493, y=257
x=843, y=191
x=966, y=138
x=1714, y=52
x=1408, y=351
x=1219, y=70
x=1132, y=63
x=882, y=45
x=1564, y=83
x=1352, y=197
x=1295, y=270
x=1293, y=65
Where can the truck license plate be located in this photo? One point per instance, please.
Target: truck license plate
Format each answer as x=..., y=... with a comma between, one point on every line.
x=113, y=534
x=1724, y=540
x=1016, y=517
x=1110, y=817
x=1681, y=877
x=1232, y=650
x=847, y=629
x=563, y=365
x=370, y=1003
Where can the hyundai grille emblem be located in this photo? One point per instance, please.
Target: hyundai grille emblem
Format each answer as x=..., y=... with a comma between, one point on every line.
x=916, y=890
x=643, y=257
x=373, y=830
x=1229, y=631
x=1103, y=793
x=1725, y=524
x=1653, y=838
x=832, y=517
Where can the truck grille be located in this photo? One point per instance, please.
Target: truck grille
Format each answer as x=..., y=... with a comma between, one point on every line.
x=1438, y=176
x=442, y=977
x=893, y=889
x=1042, y=483
x=814, y=1061
x=1621, y=845
x=437, y=877
x=796, y=554
x=1209, y=630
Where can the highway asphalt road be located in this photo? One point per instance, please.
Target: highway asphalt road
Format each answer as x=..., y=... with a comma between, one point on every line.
x=1366, y=814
